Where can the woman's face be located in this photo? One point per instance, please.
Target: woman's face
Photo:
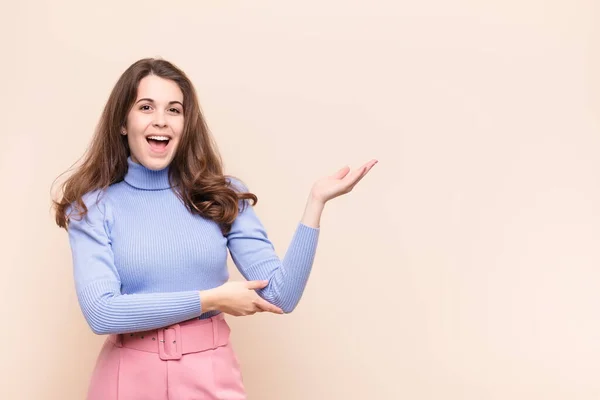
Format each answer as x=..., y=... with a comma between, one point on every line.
x=155, y=122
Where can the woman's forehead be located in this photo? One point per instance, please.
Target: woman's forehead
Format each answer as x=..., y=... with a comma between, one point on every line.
x=159, y=89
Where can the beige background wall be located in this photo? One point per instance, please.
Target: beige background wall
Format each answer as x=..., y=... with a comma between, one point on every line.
x=465, y=266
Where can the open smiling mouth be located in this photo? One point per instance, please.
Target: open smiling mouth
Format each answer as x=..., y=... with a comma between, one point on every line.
x=158, y=143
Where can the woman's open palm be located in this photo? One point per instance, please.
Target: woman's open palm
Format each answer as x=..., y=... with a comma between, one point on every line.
x=341, y=182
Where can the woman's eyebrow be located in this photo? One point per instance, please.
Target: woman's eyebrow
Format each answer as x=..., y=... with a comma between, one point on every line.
x=152, y=101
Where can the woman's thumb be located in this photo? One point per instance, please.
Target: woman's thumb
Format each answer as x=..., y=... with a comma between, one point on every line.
x=257, y=284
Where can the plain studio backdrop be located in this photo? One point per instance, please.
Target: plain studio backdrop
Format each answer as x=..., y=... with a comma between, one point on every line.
x=464, y=266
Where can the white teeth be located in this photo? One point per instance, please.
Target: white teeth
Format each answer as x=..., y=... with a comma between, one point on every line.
x=158, y=137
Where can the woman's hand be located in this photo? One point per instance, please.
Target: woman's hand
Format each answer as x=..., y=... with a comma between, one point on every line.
x=341, y=182
x=237, y=298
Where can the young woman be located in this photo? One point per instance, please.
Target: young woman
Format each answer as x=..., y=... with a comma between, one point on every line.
x=150, y=216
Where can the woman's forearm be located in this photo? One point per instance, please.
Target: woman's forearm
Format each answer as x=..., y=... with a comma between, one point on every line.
x=312, y=212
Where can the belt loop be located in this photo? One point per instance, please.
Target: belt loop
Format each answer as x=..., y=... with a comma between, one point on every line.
x=215, y=326
x=118, y=340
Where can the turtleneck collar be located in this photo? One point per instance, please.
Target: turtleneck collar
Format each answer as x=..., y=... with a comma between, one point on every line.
x=141, y=177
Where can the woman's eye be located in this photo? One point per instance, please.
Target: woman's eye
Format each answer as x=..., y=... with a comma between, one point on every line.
x=146, y=107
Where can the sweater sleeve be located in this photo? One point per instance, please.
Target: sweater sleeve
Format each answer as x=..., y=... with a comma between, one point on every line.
x=254, y=255
x=98, y=285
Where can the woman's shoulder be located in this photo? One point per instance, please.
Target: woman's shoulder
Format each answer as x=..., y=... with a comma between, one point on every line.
x=95, y=201
x=236, y=183
x=97, y=197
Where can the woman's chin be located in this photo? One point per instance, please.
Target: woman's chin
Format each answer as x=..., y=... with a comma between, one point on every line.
x=156, y=162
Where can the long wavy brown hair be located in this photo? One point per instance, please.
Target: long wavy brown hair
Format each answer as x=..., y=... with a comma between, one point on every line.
x=196, y=170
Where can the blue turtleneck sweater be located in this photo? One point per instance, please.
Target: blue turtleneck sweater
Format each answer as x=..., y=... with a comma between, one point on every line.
x=140, y=257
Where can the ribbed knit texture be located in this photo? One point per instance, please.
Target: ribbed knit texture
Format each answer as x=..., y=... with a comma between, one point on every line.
x=140, y=257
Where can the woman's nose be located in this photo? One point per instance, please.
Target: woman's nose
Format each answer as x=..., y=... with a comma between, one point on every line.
x=159, y=122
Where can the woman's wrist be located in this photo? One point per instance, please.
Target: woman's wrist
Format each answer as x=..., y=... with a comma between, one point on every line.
x=312, y=212
x=209, y=300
